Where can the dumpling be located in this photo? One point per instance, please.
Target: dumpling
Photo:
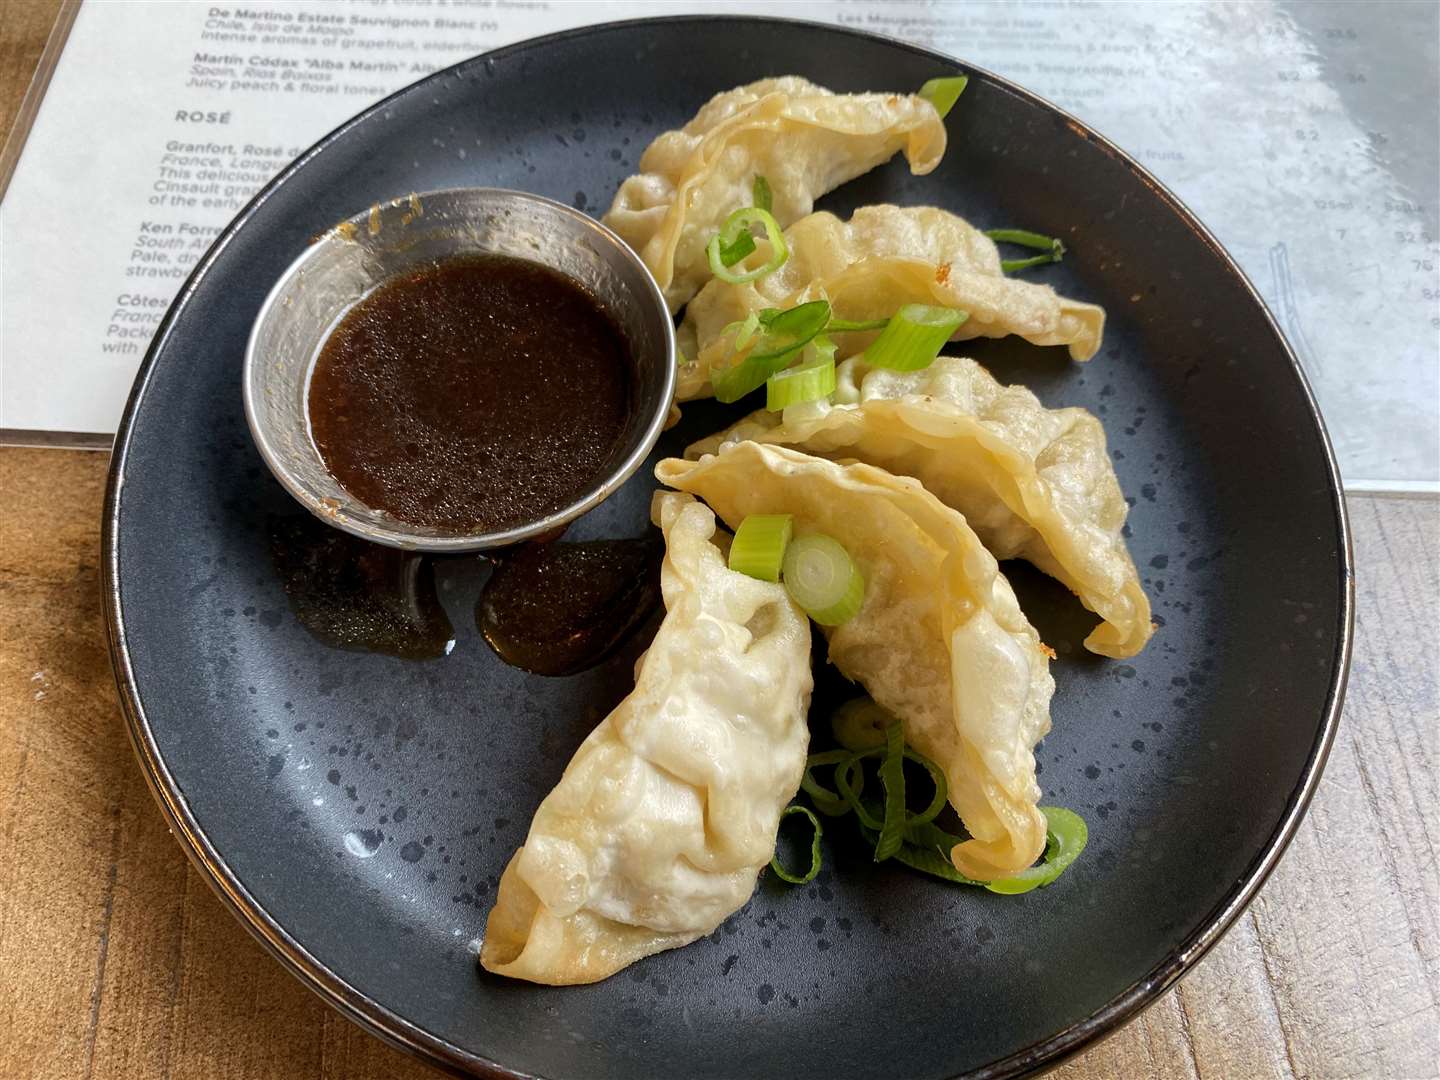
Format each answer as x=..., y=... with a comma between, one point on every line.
x=805, y=140
x=939, y=639
x=881, y=259
x=669, y=809
x=1034, y=483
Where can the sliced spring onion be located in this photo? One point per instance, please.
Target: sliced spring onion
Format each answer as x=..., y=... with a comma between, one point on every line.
x=779, y=868
x=760, y=196
x=937, y=801
x=743, y=329
x=835, y=326
x=758, y=549
x=734, y=241
x=1014, y=266
x=860, y=724
x=1025, y=238
x=933, y=862
x=810, y=380
x=825, y=800
x=1053, y=248
x=928, y=835
x=822, y=578
x=943, y=93
x=784, y=334
x=892, y=779
x=850, y=782
x=737, y=249
x=737, y=380
x=1065, y=837
x=792, y=329
x=914, y=839
x=914, y=337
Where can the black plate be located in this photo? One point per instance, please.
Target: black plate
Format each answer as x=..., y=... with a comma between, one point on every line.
x=1192, y=763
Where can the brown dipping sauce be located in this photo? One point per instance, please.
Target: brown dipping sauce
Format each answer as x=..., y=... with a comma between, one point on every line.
x=472, y=395
x=353, y=594
x=559, y=608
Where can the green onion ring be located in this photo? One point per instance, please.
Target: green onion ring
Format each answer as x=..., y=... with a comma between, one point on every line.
x=942, y=790
x=928, y=835
x=743, y=329
x=810, y=380
x=778, y=867
x=760, y=195
x=1052, y=246
x=758, y=547
x=944, y=92
x=932, y=862
x=728, y=244
x=786, y=333
x=852, y=788
x=826, y=801
x=922, y=845
x=1065, y=837
x=847, y=325
x=892, y=779
x=913, y=337
x=822, y=579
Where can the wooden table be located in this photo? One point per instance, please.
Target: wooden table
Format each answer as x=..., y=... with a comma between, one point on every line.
x=117, y=961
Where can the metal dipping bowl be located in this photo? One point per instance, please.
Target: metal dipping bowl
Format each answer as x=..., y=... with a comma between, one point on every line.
x=350, y=260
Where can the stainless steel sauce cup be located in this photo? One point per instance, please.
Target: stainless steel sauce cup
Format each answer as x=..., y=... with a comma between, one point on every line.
x=349, y=261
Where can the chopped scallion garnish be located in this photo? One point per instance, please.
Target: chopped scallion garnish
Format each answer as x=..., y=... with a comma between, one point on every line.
x=835, y=326
x=810, y=380
x=758, y=549
x=892, y=778
x=914, y=337
x=734, y=241
x=934, y=862
x=822, y=578
x=1052, y=246
x=743, y=329
x=1065, y=837
x=914, y=839
x=778, y=867
x=1014, y=266
x=760, y=196
x=943, y=93
x=850, y=783
x=825, y=800
x=1025, y=238
x=736, y=249
x=784, y=334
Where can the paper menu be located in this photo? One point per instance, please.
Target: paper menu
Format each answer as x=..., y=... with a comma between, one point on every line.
x=1303, y=135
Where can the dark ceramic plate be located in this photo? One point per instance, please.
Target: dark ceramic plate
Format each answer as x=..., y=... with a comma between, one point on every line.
x=356, y=809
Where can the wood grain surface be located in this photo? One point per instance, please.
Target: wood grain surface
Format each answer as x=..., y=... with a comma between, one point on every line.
x=116, y=960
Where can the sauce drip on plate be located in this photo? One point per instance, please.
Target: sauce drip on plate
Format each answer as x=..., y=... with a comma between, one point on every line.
x=472, y=394
x=555, y=609
x=353, y=594
x=550, y=609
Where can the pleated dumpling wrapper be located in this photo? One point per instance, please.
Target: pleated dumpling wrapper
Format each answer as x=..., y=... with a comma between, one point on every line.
x=668, y=811
x=869, y=267
x=803, y=139
x=1034, y=483
x=939, y=639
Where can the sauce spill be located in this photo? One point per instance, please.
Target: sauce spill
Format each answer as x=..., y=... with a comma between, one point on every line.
x=472, y=394
x=555, y=609
x=357, y=595
x=549, y=609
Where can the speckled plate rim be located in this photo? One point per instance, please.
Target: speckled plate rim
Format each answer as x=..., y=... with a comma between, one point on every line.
x=384, y=1022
